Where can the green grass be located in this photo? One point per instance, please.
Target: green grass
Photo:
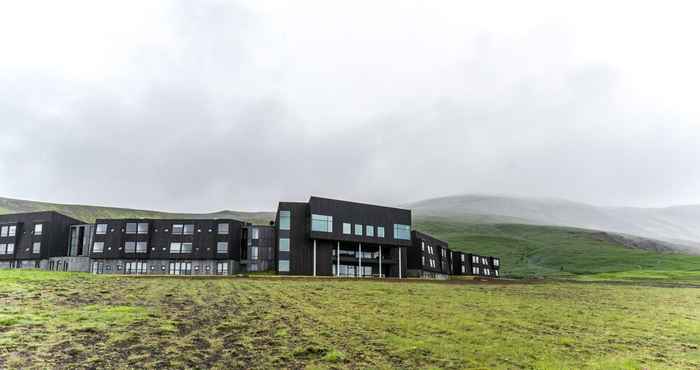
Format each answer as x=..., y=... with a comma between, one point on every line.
x=528, y=250
x=50, y=320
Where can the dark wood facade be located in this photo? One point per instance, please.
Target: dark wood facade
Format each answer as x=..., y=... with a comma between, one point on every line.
x=354, y=239
x=52, y=238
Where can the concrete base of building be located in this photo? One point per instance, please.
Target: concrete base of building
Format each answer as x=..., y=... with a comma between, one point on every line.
x=422, y=274
x=165, y=267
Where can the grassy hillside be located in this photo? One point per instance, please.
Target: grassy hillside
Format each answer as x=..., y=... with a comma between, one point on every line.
x=530, y=250
x=90, y=213
x=51, y=320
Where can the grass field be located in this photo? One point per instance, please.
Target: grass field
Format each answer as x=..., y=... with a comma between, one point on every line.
x=550, y=251
x=54, y=319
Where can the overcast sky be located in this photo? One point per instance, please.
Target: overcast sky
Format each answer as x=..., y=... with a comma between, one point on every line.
x=208, y=105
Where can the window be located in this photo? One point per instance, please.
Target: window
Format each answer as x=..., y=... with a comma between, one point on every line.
x=284, y=266
x=222, y=229
x=188, y=229
x=12, y=230
x=98, y=247
x=422, y=260
x=346, y=228
x=284, y=244
x=475, y=259
x=475, y=270
x=177, y=229
x=222, y=247
x=256, y=233
x=180, y=268
x=422, y=246
x=222, y=268
x=462, y=257
x=370, y=230
x=129, y=247
x=496, y=271
x=36, y=247
x=10, y=248
x=38, y=229
x=3, y=248
x=142, y=228
x=254, y=253
x=177, y=247
x=138, y=267
x=141, y=247
x=3, y=231
x=101, y=229
x=402, y=232
x=463, y=269
x=496, y=262
x=322, y=223
x=131, y=228
x=285, y=219
x=380, y=231
x=358, y=229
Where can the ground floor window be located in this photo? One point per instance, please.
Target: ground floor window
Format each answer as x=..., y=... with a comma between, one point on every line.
x=138, y=267
x=97, y=268
x=284, y=266
x=352, y=270
x=180, y=268
x=222, y=268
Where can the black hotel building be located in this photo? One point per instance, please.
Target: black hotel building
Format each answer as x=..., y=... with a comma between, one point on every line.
x=320, y=237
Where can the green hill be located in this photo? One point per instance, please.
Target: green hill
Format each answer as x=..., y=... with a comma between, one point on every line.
x=533, y=250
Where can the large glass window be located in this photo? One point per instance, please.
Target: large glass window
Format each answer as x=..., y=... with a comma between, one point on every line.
x=402, y=232
x=101, y=229
x=98, y=247
x=138, y=267
x=285, y=220
x=254, y=253
x=12, y=230
x=222, y=268
x=496, y=262
x=3, y=231
x=222, y=247
x=129, y=247
x=380, y=231
x=347, y=228
x=223, y=229
x=284, y=266
x=36, y=247
x=177, y=229
x=284, y=244
x=180, y=268
x=358, y=229
x=188, y=229
x=143, y=228
x=322, y=223
x=10, y=248
x=141, y=247
x=370, y=230
x=38, y=229
x=131, y=227
x=256, y=233
x=186, y=247
x=177, y=247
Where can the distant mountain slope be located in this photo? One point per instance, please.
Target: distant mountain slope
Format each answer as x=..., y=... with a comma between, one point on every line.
x=90, y=213
x=678, y=224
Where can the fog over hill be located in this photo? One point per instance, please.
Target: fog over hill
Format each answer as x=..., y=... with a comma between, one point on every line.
x=680, y=224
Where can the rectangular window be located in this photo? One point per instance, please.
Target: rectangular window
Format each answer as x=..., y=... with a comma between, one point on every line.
x=129, y=247
x=180, y=268
x=12, y=230
x=188, y=229
x=98, y=247
x=131, y=228
x=496, y=271
x=254, y=253
x=380, y=231
x=370, y=230
x=222, y=247
x=142, y=228
x=284, y=244
x=222, y=268
x=422, y=260
x=138, y=267
x=422, y=246
x=222, y=229
x=186, y=247
x=496, y=262
x=322, y=223
x=175, y=247
x=285, y=220
x=141, y=247
x=36, y=247
x=284, y=266
x=358, y=229
x=10, y=248
x=402, y=232
x=347, y=228
x=177, y=229
x=463, y=269
x=462, y=258
x=3, y=231
x=256, y=233
x=101, y=229
x=38, y=229
x=475, y=259
x=3, y=248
